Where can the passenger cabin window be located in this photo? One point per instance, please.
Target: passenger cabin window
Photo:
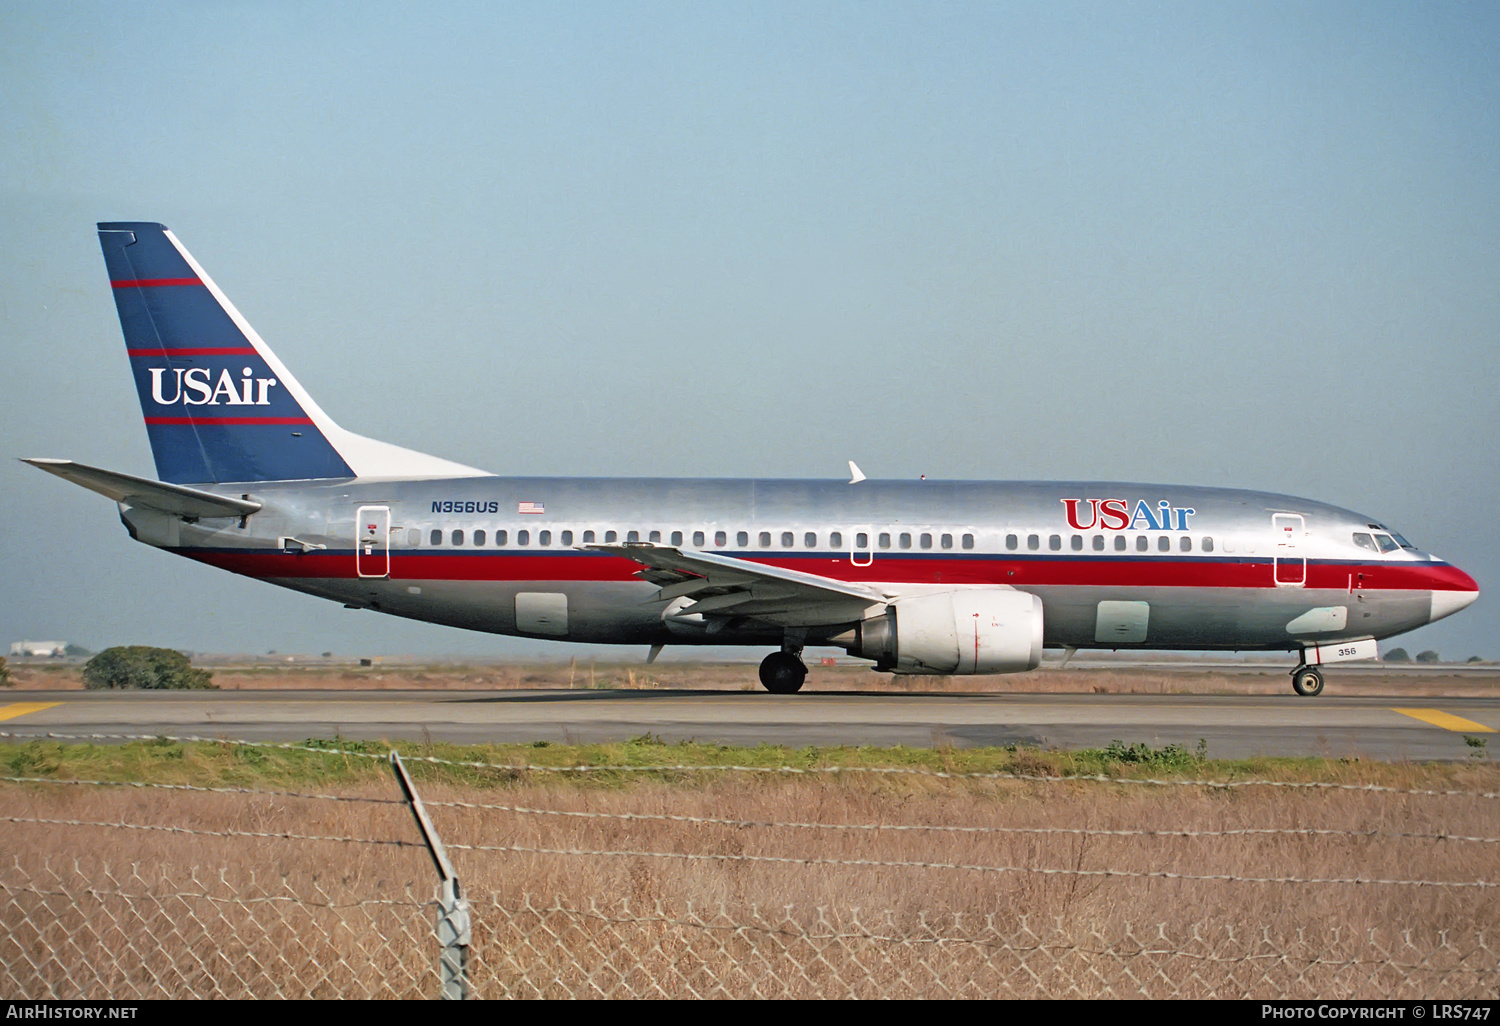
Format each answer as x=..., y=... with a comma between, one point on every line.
x=765, y=539
x=810, y=540
x=1033, y=542
x=885, y=540
x=676, y=537
x=654, y=536
x=1185, y=544
x=502, y=537
x=588, y=537
x=523, y=537
x=925, y=541
x=787, y=541
x=697, y=539
x=632, y=536
x=968, y=541
x=742, y=539
x=1208, y=544
x=906, y=539
x=1119, y=543
x=567, y=537
x=610, y=537
x=458, y=537
x=721, y=538
x=479, y=537
x=1055, y=543
x=1164, y=544
x=544, y=537
x=436, y=539
x=1142, y=543
x=836, y=539
x=947, y=541
x=1012, y=542
x=1077, y=543
x=1098, y=543
x=861, y=541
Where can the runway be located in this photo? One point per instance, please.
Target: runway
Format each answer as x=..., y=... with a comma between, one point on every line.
x=1233, y=726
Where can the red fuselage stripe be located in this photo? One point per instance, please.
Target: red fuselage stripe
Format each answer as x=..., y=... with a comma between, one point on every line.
x=150, y=283
x=562, y=567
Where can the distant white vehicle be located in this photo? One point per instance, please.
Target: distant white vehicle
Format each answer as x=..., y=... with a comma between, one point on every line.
x=43, y=649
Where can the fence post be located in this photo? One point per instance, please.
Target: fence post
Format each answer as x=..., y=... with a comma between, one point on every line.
x=454, y=930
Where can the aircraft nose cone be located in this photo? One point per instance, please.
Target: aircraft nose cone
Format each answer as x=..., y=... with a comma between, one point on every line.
x=1459, y=591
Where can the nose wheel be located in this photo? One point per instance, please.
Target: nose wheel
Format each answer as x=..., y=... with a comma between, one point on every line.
x=1307, y=681
x=782, y=673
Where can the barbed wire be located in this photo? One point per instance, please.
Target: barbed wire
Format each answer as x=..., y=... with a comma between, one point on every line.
x=781, y=824
x=238, y=899
x=947, y=828
x=209, y=790
x=783, y=769
x=883, y=864
x=284, y=836
x=782, y=860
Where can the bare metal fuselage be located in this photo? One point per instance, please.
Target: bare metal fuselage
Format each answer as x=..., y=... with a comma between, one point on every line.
x=1214, y=568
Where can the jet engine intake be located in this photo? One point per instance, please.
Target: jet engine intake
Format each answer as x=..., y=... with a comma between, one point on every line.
x=979, y=630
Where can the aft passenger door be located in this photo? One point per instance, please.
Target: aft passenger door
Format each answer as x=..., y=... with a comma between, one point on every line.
x=372, y=541
x=1289, y=562
x=862, y=546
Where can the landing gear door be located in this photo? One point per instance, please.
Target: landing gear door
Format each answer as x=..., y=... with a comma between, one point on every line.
x=1287, y=557
x=372, y=541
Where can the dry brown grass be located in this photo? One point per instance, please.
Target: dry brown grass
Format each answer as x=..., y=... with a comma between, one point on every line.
x=963, y=931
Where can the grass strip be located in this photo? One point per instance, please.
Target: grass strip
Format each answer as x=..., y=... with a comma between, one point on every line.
x=324, y=762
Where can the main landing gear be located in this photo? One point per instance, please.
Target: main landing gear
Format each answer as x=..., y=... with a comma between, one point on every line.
x=1307, y=681
x=782, y=673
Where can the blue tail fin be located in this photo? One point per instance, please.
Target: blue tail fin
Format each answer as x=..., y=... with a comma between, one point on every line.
x=219, y=405
x=216, y=408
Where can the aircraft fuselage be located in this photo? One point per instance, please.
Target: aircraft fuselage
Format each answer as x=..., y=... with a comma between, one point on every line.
x=1215, y=568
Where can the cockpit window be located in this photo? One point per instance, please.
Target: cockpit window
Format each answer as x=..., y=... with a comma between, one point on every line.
x=1399, y=540
x=1364, y=541
x=1386, y=543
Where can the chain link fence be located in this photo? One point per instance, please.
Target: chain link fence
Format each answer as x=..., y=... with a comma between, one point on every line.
x=326, y=895
x=95, y=933
x=72, y=933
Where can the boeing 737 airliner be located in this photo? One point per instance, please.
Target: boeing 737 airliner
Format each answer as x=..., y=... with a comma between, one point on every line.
x=929, y=577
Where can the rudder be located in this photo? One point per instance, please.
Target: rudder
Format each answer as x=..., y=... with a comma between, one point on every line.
x=217, y=403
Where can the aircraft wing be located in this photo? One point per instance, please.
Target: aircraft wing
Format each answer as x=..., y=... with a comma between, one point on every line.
x=138, y=491
x=724, y=587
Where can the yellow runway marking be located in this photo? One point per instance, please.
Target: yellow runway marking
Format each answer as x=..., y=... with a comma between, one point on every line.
x=8, y=712
x=1447, y=721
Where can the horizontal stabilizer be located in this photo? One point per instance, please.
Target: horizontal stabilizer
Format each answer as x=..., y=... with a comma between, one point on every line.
x=138, y=491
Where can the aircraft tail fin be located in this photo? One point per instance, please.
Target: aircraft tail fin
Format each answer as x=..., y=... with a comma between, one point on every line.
x=219, y=406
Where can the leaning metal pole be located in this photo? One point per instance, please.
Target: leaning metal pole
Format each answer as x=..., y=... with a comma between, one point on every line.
x=453, y=927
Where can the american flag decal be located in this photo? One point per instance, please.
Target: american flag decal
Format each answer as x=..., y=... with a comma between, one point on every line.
x=531, y=507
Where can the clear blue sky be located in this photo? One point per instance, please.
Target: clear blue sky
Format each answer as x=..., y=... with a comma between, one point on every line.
x=1252, y=245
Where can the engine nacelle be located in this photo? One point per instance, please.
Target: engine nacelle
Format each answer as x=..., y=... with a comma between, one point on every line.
x=979, y=630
